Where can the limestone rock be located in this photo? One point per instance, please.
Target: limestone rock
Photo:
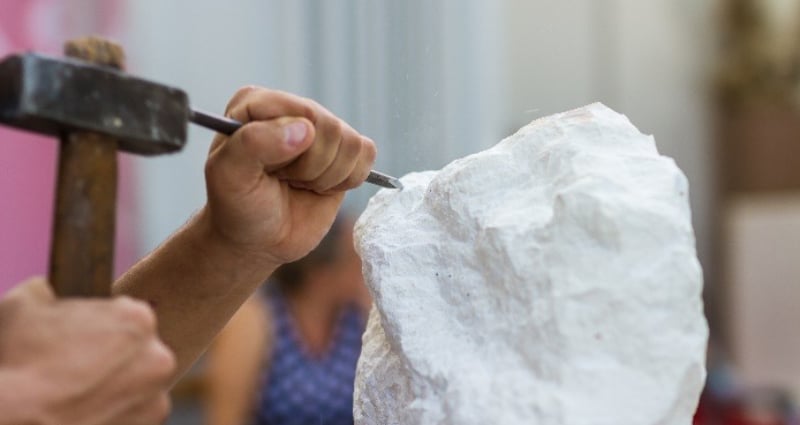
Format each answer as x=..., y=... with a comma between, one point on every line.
x=551, y=279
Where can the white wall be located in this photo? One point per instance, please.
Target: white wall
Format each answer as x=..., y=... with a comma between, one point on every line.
x=208, y=49
x=646, y=59
x=421, y=78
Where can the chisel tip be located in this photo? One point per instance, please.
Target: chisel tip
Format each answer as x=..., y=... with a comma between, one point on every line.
x=383, y=180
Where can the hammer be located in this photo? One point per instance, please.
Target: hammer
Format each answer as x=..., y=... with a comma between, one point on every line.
x=96, y=109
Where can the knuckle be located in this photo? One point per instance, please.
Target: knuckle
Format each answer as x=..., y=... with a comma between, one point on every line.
x=246, y=89
x=243, y=92
x=135, y=312
x=241, y=111
x=15, y=298
x=312, y=103
x=310, y=109
x=248, y=135
x=35, y=289
x=351, y=146
x=333, y=128
x=162, y=360
x=357, y=178
x=237, y=97
x=370, y=150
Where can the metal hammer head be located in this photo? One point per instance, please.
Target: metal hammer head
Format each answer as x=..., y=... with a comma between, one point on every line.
x=51, y=96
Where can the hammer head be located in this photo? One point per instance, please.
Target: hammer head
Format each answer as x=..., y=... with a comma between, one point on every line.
x=53, y=96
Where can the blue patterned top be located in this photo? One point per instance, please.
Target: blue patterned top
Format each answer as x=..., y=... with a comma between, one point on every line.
x=303, y=389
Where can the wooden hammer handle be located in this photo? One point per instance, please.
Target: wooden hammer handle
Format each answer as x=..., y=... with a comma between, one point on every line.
x=82, y=250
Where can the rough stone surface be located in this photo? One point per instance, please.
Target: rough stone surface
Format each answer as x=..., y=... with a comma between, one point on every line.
x=551, y=279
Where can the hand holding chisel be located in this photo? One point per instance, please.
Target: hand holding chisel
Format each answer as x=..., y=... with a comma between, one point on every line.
x=229, y=126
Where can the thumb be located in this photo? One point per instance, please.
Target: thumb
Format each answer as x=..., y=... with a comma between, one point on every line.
x=269, y=145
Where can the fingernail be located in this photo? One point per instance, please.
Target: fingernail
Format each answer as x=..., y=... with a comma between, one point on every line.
x=295, y=133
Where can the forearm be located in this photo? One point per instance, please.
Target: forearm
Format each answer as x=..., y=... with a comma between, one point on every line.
x=195, y=283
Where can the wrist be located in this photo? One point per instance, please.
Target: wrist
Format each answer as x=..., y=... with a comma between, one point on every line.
x=240, y=264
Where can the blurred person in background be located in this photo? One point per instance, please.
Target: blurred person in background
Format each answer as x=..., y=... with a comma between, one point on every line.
x=289, y=354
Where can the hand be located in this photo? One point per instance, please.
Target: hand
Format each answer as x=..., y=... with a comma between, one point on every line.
x=274, y=186
x=87, y=362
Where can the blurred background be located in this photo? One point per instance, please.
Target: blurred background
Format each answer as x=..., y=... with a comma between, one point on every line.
x=716, y=82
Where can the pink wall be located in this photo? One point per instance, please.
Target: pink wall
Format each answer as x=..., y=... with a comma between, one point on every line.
x=27, y=161
x=27, y=165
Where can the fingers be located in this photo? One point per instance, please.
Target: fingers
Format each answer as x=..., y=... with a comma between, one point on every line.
x=154, y=370
x=258, y=147
x=137, y=314
x=361, y=170
x=332, y=175
x=330, y=137
x=277, y=142
x=35, y=289
x=151, y=364
x=159, y=360
x=160, y=364
x=139, y=323
x=157, y=410
x=151, y=410
x=98, y=358
x=339, y=158
x=327, y=156
x=253, y=103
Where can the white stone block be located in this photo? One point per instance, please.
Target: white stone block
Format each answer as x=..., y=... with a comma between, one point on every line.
x=551, y=279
